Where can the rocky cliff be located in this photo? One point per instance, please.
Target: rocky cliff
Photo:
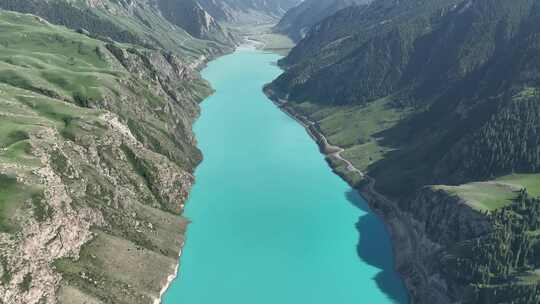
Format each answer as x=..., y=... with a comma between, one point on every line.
x=96, y=162
x=248, y=11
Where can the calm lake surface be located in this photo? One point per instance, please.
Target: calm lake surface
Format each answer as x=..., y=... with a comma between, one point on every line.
x=271, y=223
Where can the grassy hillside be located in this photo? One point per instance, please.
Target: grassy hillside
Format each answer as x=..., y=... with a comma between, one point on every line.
x=140, y=22
x=96, y=152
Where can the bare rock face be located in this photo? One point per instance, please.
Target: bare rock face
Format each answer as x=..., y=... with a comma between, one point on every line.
x=33, y=250
x=192, y=17
x=167, y=76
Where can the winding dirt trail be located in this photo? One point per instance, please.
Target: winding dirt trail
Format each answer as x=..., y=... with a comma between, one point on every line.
x=337, y=154
x=311, y=127
x=405, y=239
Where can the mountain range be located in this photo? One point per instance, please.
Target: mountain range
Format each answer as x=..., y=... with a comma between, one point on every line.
x=437, y=101
x=299, y=19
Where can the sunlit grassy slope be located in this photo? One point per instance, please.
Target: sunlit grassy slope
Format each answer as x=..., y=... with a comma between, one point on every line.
x=42, y=69
x=56, y=81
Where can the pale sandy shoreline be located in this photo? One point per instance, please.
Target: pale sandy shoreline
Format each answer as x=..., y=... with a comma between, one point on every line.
x=170, y=278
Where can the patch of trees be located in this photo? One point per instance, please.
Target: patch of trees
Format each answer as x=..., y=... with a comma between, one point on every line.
x=491, y=265
x=508, y=142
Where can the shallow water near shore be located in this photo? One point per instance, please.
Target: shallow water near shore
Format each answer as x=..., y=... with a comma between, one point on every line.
x=271, y=223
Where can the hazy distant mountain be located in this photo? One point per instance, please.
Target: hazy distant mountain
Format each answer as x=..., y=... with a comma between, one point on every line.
x=297, y=21
x=248, y=11
x=191, y=16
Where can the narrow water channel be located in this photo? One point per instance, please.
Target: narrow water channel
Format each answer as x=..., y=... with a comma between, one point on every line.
x=271, y=223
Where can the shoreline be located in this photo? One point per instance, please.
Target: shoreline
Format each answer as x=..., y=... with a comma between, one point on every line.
x=170, y=278
x=381, y=206
x=399, y=229
x=247, y=43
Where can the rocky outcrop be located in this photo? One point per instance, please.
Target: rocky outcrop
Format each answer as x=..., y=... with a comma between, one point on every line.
x=248, y=11
x=32, y=251
x=155, y=24
x=90, y=190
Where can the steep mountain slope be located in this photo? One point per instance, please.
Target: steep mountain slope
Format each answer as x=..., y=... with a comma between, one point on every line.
x=96, y=161
x=423, y=92
x=192, y=17
x=445, y=61
x=298, y=20
x=248, y=11
x=172, y=25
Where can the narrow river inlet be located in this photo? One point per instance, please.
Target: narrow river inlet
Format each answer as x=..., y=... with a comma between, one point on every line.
x=271, y=223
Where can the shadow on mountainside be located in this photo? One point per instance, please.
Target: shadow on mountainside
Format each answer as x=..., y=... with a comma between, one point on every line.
x=374, y=247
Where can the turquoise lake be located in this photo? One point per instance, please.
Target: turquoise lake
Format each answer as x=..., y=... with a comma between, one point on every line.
x=271, y=223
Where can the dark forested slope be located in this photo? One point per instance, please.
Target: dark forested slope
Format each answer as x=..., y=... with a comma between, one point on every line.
x=192, y=17
x=427, y=92
x=457, y=63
